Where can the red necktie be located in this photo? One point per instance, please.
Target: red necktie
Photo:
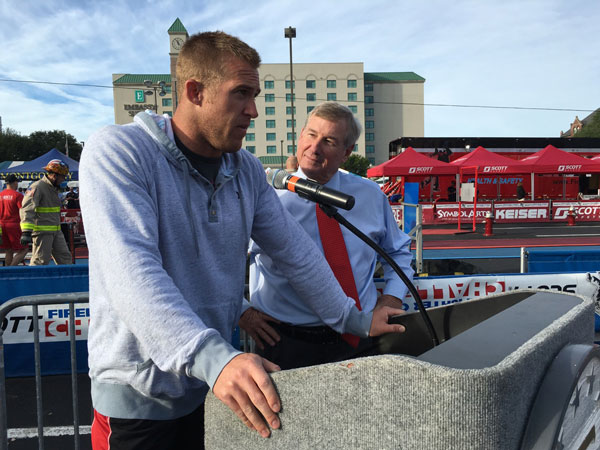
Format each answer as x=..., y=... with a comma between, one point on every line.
x=336, y=255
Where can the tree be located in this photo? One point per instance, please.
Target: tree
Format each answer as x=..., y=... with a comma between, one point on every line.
x=15, y=147
x=11, y=145
x=357, y=164
x=592, y=128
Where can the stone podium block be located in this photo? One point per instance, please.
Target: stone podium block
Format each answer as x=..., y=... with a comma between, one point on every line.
x=473, y=391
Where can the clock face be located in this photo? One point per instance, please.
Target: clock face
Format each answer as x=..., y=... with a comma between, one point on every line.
x=177, y=43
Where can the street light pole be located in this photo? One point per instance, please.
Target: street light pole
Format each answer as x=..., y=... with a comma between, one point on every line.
x=282, y=153
x=290, y=33
x=162, y=93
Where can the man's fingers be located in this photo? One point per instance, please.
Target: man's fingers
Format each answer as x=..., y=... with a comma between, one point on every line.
x=270, y=366
x=256, y=338
x=264, y=335
x=246, y=388
x=269, y=334
x=379, y=323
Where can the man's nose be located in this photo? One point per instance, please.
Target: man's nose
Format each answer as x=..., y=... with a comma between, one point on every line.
x=251, y=109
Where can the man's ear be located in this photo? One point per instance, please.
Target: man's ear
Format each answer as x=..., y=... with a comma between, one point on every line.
x=348, y=152
x=194, y=91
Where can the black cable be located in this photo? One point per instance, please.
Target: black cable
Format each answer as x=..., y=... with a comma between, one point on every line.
x=334, y=214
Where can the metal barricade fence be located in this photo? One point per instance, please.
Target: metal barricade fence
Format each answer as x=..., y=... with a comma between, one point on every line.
x=416, y=233
x=35, y=301
x=246, y=345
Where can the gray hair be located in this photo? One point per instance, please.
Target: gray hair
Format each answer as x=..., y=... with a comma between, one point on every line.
x=335, y=112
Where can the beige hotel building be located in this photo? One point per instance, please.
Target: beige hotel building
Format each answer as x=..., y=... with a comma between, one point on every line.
x=389, y=105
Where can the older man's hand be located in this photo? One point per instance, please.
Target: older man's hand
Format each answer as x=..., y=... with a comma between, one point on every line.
x=379, y=323
x=256, y=324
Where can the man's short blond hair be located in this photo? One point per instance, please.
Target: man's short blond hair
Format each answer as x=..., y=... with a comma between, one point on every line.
x=203, y=56
x=334, y=112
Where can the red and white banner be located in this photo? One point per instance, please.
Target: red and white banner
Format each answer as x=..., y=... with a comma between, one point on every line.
x=509, y=212
x=53, y=323
x=584, y=211
x=440, y=291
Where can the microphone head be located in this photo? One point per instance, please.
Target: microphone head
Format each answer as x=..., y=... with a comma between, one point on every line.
x=277, y=178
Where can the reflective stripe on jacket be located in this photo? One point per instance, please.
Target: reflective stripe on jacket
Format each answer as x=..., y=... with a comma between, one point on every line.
x=41, y=207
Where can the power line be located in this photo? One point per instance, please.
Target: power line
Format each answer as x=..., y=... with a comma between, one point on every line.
x=445, y=105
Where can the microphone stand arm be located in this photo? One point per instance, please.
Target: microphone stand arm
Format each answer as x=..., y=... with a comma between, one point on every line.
x=334, y=214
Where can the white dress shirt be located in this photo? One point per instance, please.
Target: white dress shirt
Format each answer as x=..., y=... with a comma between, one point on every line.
x=269, y=289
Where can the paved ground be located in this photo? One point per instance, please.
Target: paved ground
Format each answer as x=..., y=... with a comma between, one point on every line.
x=57, y=412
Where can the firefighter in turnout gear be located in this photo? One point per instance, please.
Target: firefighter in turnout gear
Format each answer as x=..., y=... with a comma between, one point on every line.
x=40, y=217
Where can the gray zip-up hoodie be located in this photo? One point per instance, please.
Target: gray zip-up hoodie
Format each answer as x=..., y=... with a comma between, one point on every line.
x=167, y=260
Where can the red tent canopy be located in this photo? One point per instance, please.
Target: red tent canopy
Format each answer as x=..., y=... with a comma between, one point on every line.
x=489, y=163
x=553, y=160
x=411, y=163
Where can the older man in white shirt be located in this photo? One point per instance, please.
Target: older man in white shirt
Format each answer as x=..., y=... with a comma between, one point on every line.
x=286, y=330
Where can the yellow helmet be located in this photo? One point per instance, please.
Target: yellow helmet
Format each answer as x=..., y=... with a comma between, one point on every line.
x=57, y=166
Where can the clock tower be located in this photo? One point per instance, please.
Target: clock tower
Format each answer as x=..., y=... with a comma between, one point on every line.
x=177, y=36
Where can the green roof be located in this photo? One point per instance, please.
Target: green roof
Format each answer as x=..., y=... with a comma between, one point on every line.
x=392, y=76
x=139, y=78
x=177, y=27
x=272, y=159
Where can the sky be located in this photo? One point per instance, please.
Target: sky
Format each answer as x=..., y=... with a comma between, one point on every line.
x=510, y=68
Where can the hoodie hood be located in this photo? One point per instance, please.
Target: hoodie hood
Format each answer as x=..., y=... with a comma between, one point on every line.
x=161, y=130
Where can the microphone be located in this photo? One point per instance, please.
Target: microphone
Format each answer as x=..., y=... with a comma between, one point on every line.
x=309, y=190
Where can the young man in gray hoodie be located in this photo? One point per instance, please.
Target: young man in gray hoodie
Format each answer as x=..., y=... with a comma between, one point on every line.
x=169, y=207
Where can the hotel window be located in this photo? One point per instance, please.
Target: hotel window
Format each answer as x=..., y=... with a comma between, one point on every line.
x=288, y=110
x=368, y=87
x=371, y=160
x=288, y=123
x=368, y=99
x=167, y=102
x=168, y=89
x=270, y=124
x=331, y=84
x=251, y=124
x=370, y=136
x=352, y=97
x=311, y=97
x=269, y=97
x=271, y=136
x=355, y=149
x=288, y=97
x=353, y=108
x=168, y=113
x=309, y=108
x=269, y=84
x=311, y=84
x=271, y=149
x=287, y=84
x=369, y=112
x=250, y=136
x=351, y=83
x=269, y=110
x=289, y=136
x=370, y=149
x=251, y=148
x=290, y=148
x=370, y=124
x=331, y=96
